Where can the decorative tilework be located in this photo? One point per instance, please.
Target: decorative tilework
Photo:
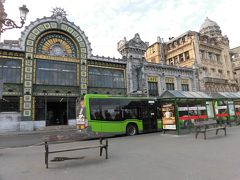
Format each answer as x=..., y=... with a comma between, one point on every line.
x=83, y=86
x=28, y=76
x=83, y=92
x=79, y=39
x=47, y=25
x=27, y=113
x=83, y=79
x=70, y=30
x=27, y=105
x=35, y=31
x=28, y=62
x=29, y=90
x=64, y=27
x=29, y=42
x=83, y=74
x=82, y=44
x=28, y=83
x=28, y=55
x=29, y=49
x=75, y=34
x=83, y=55
x=83, y=67
x=32, y=36
x=27, y=97
x=28, y=69
x=41, y=28
x=53, y=25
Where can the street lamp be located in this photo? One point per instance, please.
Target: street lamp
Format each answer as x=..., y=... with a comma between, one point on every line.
x=45, y=105
x=6, y=23
x=68, y=94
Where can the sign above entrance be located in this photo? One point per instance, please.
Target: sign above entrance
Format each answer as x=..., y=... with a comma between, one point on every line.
x=152, y=78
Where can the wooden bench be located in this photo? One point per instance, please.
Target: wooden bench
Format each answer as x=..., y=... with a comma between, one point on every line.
x=103, y=144
x=208, y=125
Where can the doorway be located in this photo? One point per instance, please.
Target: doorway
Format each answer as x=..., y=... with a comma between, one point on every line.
x=149, y=118
x=56, y=113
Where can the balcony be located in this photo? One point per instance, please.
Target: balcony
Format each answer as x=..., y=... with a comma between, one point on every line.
x=215, y=80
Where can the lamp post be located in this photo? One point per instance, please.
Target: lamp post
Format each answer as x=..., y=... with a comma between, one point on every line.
x=6, y=23
x=45, y=105
x=68, y=94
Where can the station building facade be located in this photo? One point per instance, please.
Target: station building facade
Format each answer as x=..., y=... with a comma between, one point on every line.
x=51, y=65
x=207, y=51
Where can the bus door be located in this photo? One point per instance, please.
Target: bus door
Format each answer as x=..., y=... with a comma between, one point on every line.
x=149, y=117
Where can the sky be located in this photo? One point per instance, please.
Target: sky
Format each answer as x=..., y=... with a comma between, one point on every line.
x=106, y=22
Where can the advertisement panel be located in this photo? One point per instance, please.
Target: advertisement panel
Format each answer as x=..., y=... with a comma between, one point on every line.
x=168, y=119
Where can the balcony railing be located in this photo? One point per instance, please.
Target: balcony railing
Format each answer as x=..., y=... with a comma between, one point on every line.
x=215, y=80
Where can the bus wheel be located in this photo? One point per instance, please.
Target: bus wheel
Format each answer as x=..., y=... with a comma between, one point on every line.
x=131, y=129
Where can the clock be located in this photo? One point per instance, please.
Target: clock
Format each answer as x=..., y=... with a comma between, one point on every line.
x=57, y=50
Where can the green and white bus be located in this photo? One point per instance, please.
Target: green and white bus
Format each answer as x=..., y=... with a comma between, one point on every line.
x=121, y=115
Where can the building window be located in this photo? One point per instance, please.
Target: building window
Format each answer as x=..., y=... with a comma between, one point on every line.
x=170, y=86
x=153, y=88
x=218, y=58
x=187, y=55
x=105, y=78
x=181, y=58
x=10, y=71
x=202, y=54
x=56, y=73
x=175, y=60
x=212, y=72
x=220, y=73
x=228, y=73
x=210, y=56
x=185, y=87
x=9, y=104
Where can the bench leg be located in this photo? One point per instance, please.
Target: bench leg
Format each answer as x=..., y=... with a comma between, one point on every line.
x=46, y=154
x=101, y=148
x=106, y=149
x=205, y=134
x=217, y=131
x=225, y=130
x=196, y=135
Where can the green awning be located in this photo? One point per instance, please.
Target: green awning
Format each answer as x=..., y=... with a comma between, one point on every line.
x=185, y=95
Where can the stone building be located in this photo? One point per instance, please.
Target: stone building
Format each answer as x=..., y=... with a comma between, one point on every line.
x=235, y=54
x=206, y=50
x=51, y=65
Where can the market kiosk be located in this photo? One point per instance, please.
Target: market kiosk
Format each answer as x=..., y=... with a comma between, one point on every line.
x=185, y=107
x=227, y=106
x=181, y=108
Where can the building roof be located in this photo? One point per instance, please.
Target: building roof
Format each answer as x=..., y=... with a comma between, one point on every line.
x=185, y=95
x=225, y=95
x=208, y=23
x=200, y=95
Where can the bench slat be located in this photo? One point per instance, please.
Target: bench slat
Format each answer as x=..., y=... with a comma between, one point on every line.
x=75, y=149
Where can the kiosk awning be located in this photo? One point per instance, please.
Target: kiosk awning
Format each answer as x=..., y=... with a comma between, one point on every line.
x=225, y=95
x=185, y=95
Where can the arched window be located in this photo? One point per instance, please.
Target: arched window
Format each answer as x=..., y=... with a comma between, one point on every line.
x=11, y=71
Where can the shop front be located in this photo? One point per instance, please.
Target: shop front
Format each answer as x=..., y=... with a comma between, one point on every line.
x=184, y=108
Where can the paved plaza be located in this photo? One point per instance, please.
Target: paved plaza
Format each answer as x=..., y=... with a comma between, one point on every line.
x=147, y=156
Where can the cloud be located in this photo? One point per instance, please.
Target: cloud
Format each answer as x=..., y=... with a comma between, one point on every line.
x=106, y=22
